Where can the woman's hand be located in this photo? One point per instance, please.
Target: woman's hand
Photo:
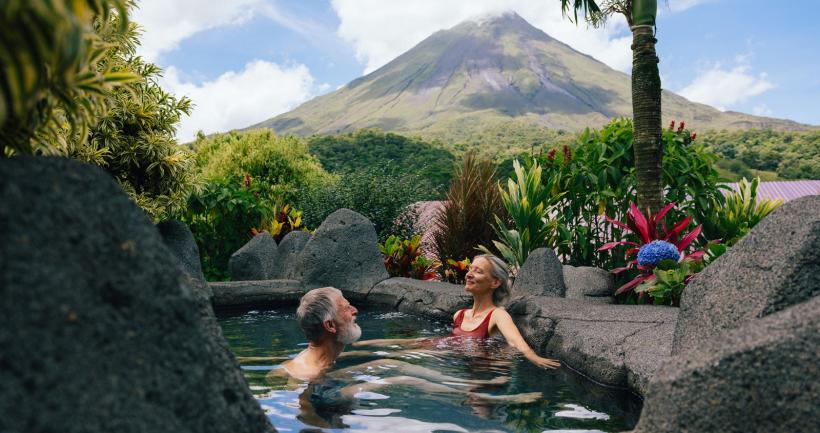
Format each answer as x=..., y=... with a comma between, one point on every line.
x=503, y=321
x=542, y=362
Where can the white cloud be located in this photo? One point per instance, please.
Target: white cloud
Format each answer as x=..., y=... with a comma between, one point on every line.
x=239, y=99
x=166, y=23
x=723, y=88
x=379, y=31
x=762, y=110
x=679, y=5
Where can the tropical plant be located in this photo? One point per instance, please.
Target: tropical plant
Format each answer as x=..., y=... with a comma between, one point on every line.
x=646, y=88
x=596, y=177
x=529, y=205
x=55, y=74
x=741, y=211
x=453, y=271
x=403, y=258
x=461, y=224
x=283, y=220
x=690, y=176
x=384, y=194
x=655, y=243
x=671, y=278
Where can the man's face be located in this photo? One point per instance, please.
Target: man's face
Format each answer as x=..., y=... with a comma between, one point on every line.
x=348, y=330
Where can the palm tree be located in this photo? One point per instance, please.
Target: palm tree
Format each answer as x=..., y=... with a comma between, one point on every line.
x=646, y=87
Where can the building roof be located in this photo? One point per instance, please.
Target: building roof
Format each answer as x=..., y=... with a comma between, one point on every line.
x=786, y=190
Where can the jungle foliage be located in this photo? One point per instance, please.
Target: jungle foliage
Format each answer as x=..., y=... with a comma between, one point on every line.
x=372, y=147
x=789, y=155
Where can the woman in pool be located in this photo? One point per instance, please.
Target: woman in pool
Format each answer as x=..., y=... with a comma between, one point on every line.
x=488, y=282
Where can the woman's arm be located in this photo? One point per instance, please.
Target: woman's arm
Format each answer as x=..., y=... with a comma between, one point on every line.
x=503, y=321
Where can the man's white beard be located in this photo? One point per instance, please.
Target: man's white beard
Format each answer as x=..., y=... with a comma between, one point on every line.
x=348, y=334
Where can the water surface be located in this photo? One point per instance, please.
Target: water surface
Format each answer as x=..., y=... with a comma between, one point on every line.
x=569, y=403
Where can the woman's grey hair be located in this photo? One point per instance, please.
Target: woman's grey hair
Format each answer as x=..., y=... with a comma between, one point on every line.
x=316, y=307
x=499, y=270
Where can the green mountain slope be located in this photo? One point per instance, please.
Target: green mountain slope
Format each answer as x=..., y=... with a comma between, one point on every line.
x=474, y=77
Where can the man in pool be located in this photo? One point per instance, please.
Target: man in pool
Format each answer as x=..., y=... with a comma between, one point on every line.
x=329, y=323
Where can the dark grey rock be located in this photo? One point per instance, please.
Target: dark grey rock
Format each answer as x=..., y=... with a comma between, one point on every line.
x=587, y=281
x=760, y=377
x=256, y=260
x=428, y=298
x=342, y=253
x=773, y=267
x=256, y=293
x=289, y=249
x=100, y=329
x=621, y=345
x=541, y=275
x=536, y=330
x=179, y=239
x=574, y=309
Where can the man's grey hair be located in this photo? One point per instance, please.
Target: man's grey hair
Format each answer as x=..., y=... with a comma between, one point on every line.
x=315, y=308
x=499, y=270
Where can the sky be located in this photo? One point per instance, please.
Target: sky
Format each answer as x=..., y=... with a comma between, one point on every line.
x=245, y=61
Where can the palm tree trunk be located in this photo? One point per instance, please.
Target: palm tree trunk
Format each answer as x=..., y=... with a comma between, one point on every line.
x=646, y=109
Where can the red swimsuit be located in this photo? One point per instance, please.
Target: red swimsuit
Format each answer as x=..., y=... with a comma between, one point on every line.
x=481, y=331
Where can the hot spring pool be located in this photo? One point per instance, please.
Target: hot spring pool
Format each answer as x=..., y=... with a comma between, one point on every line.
x=569, y=402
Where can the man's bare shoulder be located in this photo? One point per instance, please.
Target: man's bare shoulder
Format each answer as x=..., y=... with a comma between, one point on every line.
x=298, y=369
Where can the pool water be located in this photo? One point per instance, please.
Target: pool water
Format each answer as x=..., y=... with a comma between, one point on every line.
x=568, y=402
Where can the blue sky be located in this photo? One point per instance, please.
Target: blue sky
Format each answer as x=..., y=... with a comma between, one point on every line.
x=244, y=61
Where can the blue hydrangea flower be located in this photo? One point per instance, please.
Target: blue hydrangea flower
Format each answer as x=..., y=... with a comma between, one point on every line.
x=652, y=253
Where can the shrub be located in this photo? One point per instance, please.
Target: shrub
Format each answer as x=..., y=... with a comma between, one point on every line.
x=529, y=205
x=281, y=163
x=381, y=193
x=597, y=177
x=461, y=224
x=135, y=142
x=741, y=211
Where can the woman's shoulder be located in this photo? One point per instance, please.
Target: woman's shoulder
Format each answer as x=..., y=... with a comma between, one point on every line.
x=500, y=313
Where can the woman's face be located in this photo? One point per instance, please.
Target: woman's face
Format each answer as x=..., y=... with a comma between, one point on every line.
x=479, y=278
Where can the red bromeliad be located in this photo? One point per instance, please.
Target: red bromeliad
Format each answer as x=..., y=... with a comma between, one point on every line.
x=649, y=229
